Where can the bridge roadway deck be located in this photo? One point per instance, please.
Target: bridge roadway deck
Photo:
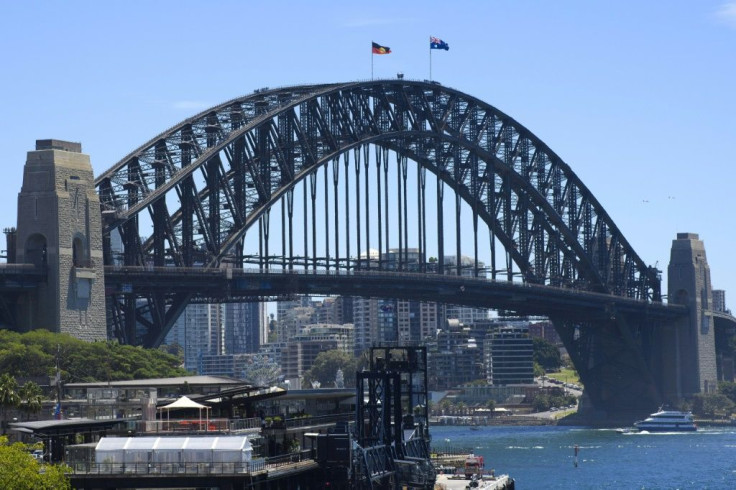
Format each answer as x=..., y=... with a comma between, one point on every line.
x=20, y=277
x=232, y=285
x=224, y=476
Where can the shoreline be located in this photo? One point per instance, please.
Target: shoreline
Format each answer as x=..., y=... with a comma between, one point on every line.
x=568, y=420
x=501, y=421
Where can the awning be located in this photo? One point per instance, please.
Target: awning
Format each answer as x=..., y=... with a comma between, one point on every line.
x=185, y=402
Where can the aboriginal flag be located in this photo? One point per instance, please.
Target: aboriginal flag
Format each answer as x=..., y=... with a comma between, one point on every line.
x=378, y=49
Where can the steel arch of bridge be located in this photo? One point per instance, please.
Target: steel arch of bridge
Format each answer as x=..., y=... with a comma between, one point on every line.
x=252, y=151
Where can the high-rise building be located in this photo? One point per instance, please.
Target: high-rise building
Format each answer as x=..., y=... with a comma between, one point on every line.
x=200, y=331
x=209, y=331
x=466, y=314
x=546, y=330
x=299, y=353
x=283, y=307
x=365, y=318
x=383, y=320
x=246, y=327
x=454, y=358
x=509, y=356
x=291, y=322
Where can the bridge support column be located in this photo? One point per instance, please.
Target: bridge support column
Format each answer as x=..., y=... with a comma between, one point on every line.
x=688, y=354
x=60, y=230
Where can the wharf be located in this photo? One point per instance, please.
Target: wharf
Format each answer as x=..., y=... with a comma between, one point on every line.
x=450, y=482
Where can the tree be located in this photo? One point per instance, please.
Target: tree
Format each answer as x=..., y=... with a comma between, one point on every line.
x=546, y=354
x=9, y=397
x=19, y=471
x=326, y=365
x=442, y=407
x=710, y=404
x=538, y=370
x=174, y=349
x=461, y=407
x=728, y=389
x=541, y=403
x=262, y=371
x=31, y=398
x=35, y=354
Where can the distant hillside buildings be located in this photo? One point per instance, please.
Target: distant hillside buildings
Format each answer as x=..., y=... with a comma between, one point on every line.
x=464, y=344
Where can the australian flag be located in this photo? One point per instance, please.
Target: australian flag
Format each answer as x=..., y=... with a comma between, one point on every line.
x=437, y=43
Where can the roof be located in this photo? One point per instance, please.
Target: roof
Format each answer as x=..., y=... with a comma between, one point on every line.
x=152, y=382
x=320, y=393
x=66, y=426
x=184, y=402
x=145, y=443
x=240, y=395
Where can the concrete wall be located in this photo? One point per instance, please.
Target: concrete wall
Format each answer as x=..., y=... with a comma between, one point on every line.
x=692, y=339
x=60, y=228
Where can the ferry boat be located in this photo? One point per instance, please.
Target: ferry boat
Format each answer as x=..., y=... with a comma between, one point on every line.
x=667, y=421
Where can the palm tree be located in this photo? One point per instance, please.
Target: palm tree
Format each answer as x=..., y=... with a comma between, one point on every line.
x=31, y=398
x=9, y=397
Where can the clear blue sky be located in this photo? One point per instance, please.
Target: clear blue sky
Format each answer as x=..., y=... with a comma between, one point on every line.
x=636, y=96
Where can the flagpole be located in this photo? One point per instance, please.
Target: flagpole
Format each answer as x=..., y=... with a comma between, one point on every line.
x=371, y=60
x=430, y=59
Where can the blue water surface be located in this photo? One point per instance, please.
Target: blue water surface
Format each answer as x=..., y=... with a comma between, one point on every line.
x=544, y=457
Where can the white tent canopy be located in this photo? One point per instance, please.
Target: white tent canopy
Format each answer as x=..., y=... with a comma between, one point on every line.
x=169, y=450
x=185, y=402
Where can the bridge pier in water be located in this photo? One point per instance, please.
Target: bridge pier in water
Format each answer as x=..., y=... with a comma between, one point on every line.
x=687, y=346
x=632, y=364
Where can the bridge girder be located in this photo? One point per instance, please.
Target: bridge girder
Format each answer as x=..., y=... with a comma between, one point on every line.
x=206, y=182
x=251, y=152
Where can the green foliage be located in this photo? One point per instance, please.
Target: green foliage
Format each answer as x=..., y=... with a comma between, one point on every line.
x=543, y=402
x=324, y=369
x=174, y=349
x=566, y=375
x=546, y=354
x=538, y=370
x=9, y=396
x=31, y=398
x=711, y=405
x=728, y=389
x=20, y=471
x=34, y=354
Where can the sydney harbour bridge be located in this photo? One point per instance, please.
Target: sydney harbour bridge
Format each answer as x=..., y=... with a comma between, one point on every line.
x=366, y=189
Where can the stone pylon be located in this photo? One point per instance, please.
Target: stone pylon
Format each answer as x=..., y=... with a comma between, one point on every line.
x=60, y=229
x=690, y=349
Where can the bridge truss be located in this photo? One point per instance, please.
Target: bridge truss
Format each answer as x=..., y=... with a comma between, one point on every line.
x=383, y=175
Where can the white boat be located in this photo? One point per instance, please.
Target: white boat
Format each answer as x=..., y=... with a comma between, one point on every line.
x=667, y=421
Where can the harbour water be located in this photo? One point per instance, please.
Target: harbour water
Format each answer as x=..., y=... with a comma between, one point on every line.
x=543, y=457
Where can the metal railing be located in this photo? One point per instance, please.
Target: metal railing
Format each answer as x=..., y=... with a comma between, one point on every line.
x=310, y=421
x=197, y=425
x=282, y=461
x=164, y=468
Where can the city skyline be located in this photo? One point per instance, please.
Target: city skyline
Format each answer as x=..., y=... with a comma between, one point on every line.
x=635, y=97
